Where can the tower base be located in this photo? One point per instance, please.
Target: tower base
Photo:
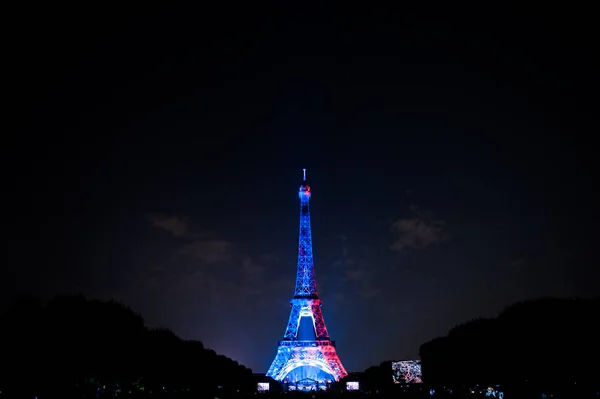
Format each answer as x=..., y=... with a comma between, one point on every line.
x=306, y=365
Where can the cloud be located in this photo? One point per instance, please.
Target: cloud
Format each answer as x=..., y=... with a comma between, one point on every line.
x=362, y=279
x=345, y=261
x=212, y=276
x=518, y=264
x=172, y=224
x=177, y=226
x=270, y=257
x=204, y=247
x=207, y=267
x=226, y=275
x=237, y=284
x=210, y=251
x=355, y=272
x=250, y=268
x=417, y=232
x=368, y=292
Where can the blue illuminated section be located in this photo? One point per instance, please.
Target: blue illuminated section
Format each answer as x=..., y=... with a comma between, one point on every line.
x=306, y=286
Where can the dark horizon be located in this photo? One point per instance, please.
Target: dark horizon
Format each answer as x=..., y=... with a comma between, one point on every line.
x=158, y=153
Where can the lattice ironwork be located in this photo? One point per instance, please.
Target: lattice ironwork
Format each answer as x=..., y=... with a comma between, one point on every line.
x=306, y=286
x=293, y=353
x=302, y=307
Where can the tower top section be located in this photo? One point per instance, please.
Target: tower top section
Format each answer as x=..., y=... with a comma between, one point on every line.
x=304, y=190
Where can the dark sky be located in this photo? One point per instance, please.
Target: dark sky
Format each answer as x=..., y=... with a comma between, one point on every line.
x=154, y=156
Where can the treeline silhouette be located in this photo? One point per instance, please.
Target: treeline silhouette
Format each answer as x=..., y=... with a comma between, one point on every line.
x=548, y=344
x=74, y=347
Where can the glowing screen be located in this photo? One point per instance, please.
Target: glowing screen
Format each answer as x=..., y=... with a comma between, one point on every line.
x=262, y=386
x=407, y=372
x=352, y=386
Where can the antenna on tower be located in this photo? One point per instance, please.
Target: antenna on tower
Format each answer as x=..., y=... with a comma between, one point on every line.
x=304, y=172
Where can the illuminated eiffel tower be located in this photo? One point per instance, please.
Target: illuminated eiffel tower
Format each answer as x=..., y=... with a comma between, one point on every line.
x=306, y=363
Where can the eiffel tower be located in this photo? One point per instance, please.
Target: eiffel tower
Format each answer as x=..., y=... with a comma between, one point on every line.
x=300, y=363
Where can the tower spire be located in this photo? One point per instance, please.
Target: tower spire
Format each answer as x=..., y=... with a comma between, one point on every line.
x=304, y=173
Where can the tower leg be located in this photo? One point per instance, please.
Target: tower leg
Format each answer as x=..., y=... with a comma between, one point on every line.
x=281, y=359
x=319, y=323
x=291, y=331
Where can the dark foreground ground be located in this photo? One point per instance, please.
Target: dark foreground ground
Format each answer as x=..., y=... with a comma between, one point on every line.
x=397, y=394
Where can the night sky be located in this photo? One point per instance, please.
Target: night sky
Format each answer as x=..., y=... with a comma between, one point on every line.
x=153, y=156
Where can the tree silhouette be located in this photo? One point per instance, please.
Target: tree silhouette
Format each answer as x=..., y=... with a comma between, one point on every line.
x=76, y=347
x=546, y=342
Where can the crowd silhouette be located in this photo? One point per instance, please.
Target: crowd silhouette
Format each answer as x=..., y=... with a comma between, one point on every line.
x=72, y=347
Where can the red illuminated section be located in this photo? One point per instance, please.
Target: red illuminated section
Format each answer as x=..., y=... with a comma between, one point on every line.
x=304, y=188
x=304, y=191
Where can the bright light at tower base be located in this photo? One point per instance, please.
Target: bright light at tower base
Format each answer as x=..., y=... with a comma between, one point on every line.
x=308, y=375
